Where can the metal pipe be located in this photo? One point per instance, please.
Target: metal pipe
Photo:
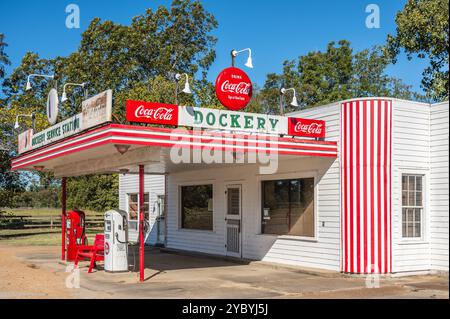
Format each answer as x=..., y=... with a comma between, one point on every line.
x=63, y=218
x=141, y=223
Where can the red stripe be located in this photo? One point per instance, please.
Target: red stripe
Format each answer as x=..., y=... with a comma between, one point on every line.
x=19, y=160
x=385, y=188
x=344, y=189
x=379, y=183
x=227, y=135
x=365, y=182
x=372, y=174
x=390, y=187
x=358, y=192
x=351, y=187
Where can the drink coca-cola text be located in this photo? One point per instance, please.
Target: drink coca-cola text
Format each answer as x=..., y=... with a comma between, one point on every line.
x=233, y=88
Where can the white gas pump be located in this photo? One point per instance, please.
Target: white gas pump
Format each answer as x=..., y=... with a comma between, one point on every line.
x=116, y=241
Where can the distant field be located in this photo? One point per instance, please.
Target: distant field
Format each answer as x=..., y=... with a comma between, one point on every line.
x=39, y=236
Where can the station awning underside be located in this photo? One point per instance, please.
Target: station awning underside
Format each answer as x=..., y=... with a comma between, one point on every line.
x=96, y=151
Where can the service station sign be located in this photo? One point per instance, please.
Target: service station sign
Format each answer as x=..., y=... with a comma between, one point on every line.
x=96, y=110
x=206, y=118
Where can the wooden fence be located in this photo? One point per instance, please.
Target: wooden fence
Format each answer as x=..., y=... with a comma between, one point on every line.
x=44, y=222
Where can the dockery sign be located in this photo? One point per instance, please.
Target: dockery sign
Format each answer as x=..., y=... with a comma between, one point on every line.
x=233, y=88
x=168, y=114
x=96, y=110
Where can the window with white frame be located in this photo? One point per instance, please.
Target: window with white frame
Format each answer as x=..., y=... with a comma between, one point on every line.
x=133, y=209
x=412, y=205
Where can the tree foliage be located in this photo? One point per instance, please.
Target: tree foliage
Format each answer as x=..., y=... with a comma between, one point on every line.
x=138, y=61
x=423, y=31
x=335, y=74
x=4, y=60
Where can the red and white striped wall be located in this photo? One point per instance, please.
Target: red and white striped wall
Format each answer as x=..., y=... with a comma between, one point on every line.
x=365, y=167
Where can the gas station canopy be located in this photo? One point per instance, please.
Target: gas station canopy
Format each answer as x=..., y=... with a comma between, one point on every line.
x=115, y=148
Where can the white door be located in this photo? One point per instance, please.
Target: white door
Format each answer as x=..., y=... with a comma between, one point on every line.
x=160, y=220
x=233, y=220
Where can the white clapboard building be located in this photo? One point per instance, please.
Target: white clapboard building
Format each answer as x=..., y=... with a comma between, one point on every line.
x=380, y=205
x=357, y=186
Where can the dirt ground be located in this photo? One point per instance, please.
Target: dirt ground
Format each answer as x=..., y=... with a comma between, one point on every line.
x=37, y=272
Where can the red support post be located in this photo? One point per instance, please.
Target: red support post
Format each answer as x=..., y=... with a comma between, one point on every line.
x=141, y=223
x=63, y=218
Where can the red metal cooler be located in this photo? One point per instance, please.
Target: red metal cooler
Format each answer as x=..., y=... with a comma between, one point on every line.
x=75, y=232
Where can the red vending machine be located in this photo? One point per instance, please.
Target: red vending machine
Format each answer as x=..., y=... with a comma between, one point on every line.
x=75, y=233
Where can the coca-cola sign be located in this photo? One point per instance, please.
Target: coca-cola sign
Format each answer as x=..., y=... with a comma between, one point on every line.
x=150, y=112
x=233, y=88
x=306, y=127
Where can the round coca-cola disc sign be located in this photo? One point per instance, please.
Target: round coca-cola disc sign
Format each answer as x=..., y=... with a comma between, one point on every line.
x=233, y=88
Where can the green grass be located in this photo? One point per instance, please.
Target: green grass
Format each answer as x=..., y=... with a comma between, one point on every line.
x=40, y=236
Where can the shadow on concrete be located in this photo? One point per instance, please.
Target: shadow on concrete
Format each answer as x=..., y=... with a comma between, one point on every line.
x=162, y=260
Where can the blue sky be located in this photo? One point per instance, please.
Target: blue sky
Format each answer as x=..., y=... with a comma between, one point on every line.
x=274, y=30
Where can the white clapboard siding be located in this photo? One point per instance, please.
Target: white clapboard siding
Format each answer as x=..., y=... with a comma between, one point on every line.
x=154, y=185
x=410, y=154
x=321, y=253
x=439, y=193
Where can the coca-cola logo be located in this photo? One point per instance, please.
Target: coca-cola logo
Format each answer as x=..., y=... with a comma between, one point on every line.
x=233, y=88
x=313, y=128
x=237, y=88
x=161, y=113
x=149, y=112
x=306, y=127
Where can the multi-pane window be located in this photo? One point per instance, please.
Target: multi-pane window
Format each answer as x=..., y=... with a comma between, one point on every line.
x=412, y=205
x=133, y=209
x=197, y=207
x=288, y=207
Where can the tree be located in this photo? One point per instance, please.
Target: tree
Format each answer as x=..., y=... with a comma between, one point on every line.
x=138, y=61
x=4, y=60
x=422, y=30
x=335, y=74
x=10, y=182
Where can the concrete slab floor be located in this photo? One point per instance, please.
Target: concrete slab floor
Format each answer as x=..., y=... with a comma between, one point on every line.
x=170, y=275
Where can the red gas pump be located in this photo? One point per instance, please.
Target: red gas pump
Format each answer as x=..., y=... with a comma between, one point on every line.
x=75, y=233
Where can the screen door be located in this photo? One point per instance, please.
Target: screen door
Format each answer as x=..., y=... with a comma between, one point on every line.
x=233, y=220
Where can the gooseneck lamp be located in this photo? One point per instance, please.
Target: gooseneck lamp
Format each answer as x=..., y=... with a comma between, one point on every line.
x=293, y=102
x=249, y=62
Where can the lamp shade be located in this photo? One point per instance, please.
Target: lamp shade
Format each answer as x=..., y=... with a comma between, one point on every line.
x=187, y=88
x=64, y=97
x=28, y=86
x=249, y=63
x=294, y=101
